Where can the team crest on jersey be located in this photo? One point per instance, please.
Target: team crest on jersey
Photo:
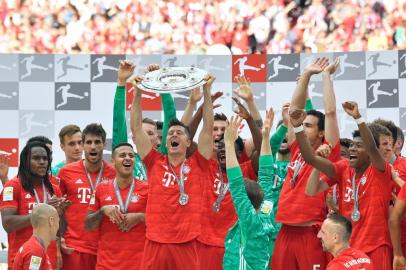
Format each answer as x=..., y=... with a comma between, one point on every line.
x=8, y=194
x=35, y=263
x=105, y=181
x=28, y=196
x=79, y=181
x=108, y=198
x=134, y=198
x=186, y=169
x=363, y=180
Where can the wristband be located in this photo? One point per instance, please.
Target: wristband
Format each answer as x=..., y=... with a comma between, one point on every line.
x=360, y=120
x=298, y=129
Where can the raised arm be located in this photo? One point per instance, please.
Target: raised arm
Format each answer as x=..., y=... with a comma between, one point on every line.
x=205, y=143
x=195, y=96
x=125, y=70
x=314, y=186
x=332, y=133
x=140, y=138
x=300, y=95
x=322, y=164
x=351, y=108
x=280, y=134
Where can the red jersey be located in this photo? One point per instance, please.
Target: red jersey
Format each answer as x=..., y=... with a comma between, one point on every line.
x=292, y=199
x=117, y=249
x=400, y=166
x=75, y=184
x=215, y=225
x=32, y=255
x=167, y=221
x=352, y=259
x=371, y=231
x=14, y=196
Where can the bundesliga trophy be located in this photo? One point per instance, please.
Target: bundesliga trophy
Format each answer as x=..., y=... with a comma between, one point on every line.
x=172, y=79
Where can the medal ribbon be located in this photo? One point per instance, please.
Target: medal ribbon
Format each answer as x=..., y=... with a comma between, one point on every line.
x=93, y=186
x=124, y=207
x=44, y=192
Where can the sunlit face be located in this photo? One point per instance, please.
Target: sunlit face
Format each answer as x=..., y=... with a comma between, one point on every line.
x=123, y=160
x=177, y=140
x=386, y=147
x=358, y=155
x=152, y=133
x=93, y=147
x=312, y=131
x=73, y=146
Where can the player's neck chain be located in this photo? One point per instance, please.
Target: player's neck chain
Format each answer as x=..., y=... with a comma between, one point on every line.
x=44, y=194
x=89, y=178
x=124, y=207
x=183, y=198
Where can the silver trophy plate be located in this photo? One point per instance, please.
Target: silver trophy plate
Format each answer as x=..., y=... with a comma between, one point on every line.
x=173, y=79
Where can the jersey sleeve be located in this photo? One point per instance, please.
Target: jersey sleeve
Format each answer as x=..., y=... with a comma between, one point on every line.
x=245, y=210
x=10, y=196
x=151, y=158
x=169, y=109
x=277, y=139
x=119, y=121
x=265, y=175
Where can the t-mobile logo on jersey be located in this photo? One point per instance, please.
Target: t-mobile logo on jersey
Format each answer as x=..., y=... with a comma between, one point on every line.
x=217, y=186
x=169, y=179
x=84, y=194
x=31, y=206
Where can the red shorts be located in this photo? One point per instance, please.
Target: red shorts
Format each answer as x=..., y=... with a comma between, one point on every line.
x=298, y=248
x=160, y=256
x=381, y=258
x=78, y=260
x=211, y=256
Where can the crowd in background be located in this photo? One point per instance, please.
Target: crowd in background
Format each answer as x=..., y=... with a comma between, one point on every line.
x=191, y=26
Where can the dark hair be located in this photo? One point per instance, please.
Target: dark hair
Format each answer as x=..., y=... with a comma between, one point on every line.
x=377, y=130
x=120, y=145
x=389, y=125
x=400, y=134
x=147, y=120
x=345, y=142
x=320, y=116
x=344, y=223
x=24, y=169
x=94, y=129
x=239, y=144
x=176, y=122
x=220, y=117
x=159, y=125
x=254, y=192
x=41, y=139
x=68, y=130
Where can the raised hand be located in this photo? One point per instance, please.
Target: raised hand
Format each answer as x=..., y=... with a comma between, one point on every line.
x=4, y=166
x=153, y=67
x=231, y=132
x=324, y=150
x=137, y=80
x=242, y=111
x=209, y=78
x=195, y=96
x=317, y=66
x=351, y=108
x=244, y=90
x=297, y=117
x=266, y=129
x=331, y=68
x=125, y=70
x=285, y=113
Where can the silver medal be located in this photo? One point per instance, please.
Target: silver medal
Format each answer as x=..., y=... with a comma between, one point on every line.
x=355, y=215
x=183, y=199
x=216, y=207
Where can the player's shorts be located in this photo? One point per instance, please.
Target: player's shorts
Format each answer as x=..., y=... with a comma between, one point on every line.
x=298, y=248
x=78, y=260
x=160, y=256
x=210, y=257
x=381, y=258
